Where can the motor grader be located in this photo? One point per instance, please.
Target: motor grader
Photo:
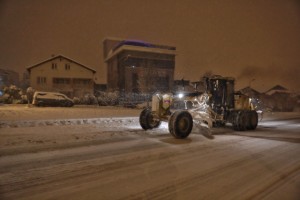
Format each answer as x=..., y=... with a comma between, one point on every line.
x=218, y=106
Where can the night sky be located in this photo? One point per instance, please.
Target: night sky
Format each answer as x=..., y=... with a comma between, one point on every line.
x=246, y=39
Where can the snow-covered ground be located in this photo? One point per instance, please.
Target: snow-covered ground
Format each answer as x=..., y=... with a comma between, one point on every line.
x=102, y=153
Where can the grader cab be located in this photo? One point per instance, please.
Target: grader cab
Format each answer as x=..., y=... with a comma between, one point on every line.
x=217, y=106
x=230, y=107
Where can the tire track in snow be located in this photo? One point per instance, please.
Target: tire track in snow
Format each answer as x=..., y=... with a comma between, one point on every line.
x=87, y=164
x=196, y=181
x=90, y=170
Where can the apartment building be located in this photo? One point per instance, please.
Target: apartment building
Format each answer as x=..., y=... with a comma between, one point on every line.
x=138, y=67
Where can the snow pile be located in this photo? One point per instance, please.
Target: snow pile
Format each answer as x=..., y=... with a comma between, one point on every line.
x=105, y=122
x=14, y=116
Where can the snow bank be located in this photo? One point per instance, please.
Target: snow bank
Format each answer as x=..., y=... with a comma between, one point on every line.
x=24, y=116
x=105, y=122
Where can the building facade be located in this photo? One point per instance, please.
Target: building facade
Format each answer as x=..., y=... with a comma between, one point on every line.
x=138, y=67
x=62, y=74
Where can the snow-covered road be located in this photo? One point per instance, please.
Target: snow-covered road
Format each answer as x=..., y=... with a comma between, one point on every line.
x=102, y=153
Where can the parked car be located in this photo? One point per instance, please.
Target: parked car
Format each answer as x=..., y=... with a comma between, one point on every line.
x=1, y=97
x=51, y=99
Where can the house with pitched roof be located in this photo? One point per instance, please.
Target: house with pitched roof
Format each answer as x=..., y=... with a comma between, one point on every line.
x=250, y=92
x=280, y=98
x=62, y=74
x=277, y=89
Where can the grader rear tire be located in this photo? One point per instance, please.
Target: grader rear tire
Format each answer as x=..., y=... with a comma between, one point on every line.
x=180, y=124
x=147, y=120
x=253, y=120
x=240, y=121
x=245, y=120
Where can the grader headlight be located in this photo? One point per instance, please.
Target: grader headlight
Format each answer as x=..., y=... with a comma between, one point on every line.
x=180, y=95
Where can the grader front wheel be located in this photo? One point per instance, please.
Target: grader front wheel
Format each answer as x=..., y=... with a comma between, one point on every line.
x=147, y=120
x=180, y=124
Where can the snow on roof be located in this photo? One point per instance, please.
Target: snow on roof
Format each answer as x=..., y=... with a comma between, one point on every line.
x=60, y=56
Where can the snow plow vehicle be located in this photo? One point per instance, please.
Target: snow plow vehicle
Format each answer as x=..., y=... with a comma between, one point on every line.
x=216, y=107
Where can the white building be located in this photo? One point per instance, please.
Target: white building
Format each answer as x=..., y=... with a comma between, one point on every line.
x=62, y=74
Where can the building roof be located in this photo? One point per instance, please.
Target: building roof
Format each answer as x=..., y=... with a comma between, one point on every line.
x=132, y=43
x=138, y=45
x=141, y=43
x=60, y=56
x=277, y=89
x=249, y=91
x=139, y=48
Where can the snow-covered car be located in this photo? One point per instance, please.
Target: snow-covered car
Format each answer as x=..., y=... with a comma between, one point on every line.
x=1, y=97
x=51, y=99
